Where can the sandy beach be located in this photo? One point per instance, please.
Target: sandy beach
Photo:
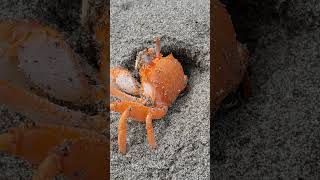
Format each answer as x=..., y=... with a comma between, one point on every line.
x=275, y=134
x=183, y=135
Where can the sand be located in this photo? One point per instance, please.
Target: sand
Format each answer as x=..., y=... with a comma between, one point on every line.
x=183, y=135
x=275, y=134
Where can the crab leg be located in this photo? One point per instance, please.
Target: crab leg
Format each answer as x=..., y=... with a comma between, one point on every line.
x=91, y=147
x=5, y=141
x=43, y=138
x=122, y=128
x=139, y=112
x=49, y=168
x=150, y=134
x=68, y=159
x=40, y=109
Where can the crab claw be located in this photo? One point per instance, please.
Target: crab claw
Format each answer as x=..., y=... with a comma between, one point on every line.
x=77, y=153
x=123, y=80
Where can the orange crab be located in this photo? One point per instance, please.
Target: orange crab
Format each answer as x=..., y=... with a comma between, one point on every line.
x=162, y=80
x=62, y=139
x=230, y=59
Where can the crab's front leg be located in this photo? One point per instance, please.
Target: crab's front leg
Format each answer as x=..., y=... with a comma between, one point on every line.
x=82, y=158
x=138, y=112
x=59, y=149
x=42, y=110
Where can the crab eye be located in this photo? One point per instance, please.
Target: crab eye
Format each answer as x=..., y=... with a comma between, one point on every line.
x=147, y=59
